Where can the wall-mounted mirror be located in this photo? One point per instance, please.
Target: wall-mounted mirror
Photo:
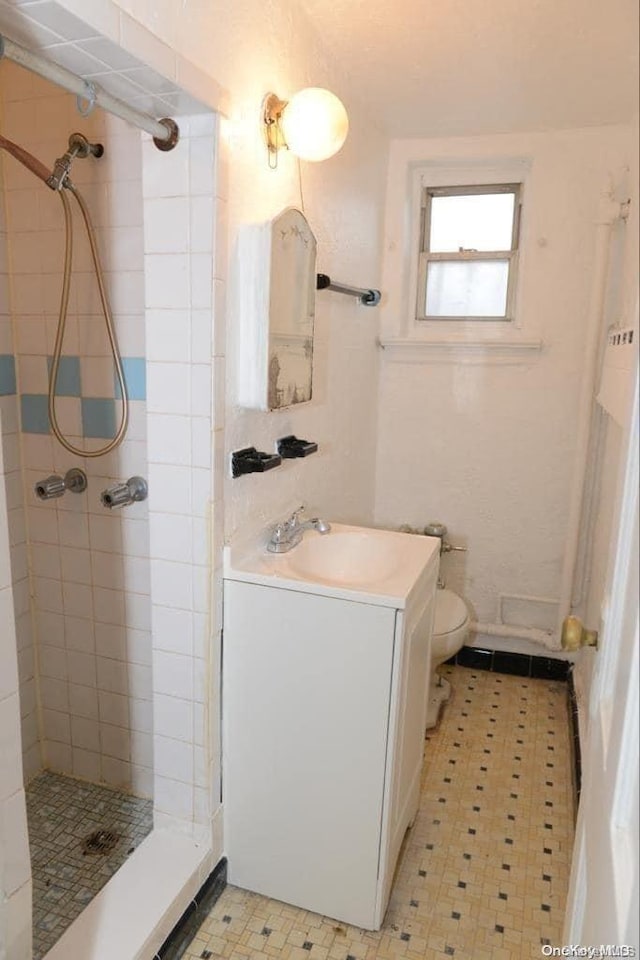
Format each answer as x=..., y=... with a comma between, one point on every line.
x=276, y=299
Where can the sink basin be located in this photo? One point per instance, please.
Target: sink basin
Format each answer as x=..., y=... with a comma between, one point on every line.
x=345, y=557
x=357, y=563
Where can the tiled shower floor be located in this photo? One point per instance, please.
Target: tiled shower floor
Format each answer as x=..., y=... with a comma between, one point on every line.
x=61, y=813
x=485, y=869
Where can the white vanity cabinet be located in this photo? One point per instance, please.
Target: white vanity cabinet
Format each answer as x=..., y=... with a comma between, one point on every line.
x=324, y=707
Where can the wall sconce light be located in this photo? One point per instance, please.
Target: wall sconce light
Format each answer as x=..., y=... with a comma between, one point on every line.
x=313, y=125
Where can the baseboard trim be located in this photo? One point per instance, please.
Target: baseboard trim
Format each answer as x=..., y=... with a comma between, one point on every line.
x=515, y=664
x=185, y=929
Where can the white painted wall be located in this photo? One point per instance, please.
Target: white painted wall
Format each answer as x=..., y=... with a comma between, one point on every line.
x=486, y=446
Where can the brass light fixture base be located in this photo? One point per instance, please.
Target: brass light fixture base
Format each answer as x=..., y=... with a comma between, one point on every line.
x=272, y=108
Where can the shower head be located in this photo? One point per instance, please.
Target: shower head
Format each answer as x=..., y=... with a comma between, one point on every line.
x=79, y=146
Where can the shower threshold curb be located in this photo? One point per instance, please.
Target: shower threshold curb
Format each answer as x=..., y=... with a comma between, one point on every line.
x=138, y=909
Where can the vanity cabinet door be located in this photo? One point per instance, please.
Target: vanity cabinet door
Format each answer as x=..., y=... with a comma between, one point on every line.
x=306, y=696
x=407, y=730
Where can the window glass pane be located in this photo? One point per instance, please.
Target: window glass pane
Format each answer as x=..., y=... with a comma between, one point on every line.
x=467, y=288
x=476, y=222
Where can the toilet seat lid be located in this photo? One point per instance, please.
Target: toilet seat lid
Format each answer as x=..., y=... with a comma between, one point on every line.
x=451, y=612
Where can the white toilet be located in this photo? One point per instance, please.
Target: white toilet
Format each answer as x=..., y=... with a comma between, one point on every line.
x=450, y=630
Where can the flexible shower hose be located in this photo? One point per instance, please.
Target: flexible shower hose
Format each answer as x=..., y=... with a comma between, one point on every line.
x=62, y=322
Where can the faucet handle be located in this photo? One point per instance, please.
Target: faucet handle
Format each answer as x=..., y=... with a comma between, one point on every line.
x=295, y=516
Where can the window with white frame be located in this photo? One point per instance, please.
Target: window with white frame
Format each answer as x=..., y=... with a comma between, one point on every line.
x=469, y=252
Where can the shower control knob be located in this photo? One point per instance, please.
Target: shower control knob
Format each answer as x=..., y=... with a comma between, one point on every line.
x=54, y=486
x=50, y=488
x=123, y=494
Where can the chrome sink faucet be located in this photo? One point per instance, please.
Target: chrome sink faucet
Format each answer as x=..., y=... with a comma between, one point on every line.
x=287, y=534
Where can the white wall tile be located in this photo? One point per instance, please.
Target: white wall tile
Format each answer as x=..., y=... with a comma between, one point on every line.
x=140, y=682
x=172, y=675
x=170, y=537
x=54, y=694
x=173, y=630
x=57, y=756
x=86, y=764
x=111, y=641
x=169, y=388
x=168, y=336
x=173, y=759
x=170, y=487
x=53, y=662
x=81, y=668
x=57, y=726
x=167, y=281
x=172, y=584
x=139, y=646
x=83, y=701
x=108, y=606
x=169, y=439
x=10, y=752
x=141, y=715
x=78, y=601
x=116, y=772
x=112, y=675
x=165, y=174
x=16, y=859
x=173, y=717
x=141, y=749
x=50, y=628
x=166, y=225
x=113, y=708
x=173, y=797
x=85, y=734
x=114, y=742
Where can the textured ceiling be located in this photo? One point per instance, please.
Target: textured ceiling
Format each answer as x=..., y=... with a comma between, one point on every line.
x=455, y=67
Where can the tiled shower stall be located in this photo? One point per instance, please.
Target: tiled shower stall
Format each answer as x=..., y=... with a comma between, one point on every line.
x=116, y=623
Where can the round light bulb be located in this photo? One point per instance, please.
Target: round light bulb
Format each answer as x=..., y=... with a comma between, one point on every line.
x=314, y=124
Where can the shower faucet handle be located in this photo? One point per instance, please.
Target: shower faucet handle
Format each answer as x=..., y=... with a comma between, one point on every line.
x=54, y=486
x=123, y=494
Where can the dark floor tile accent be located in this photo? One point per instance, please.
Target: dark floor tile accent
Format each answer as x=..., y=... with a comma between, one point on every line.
x=187, y=926
x=475, y=658
x=548, y=668
x=515, y=664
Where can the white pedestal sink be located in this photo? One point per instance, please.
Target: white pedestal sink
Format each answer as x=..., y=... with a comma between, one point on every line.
x=325, y=678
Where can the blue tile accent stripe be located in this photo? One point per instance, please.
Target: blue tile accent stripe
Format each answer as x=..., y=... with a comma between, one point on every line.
x=7, y=375
x=98, y=414
x=135, y=378
x=35, y=416
x=98, y=417
x=68, y=379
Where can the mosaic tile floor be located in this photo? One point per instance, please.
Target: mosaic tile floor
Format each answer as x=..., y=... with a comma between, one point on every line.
x=61, y=813
x=484, y=871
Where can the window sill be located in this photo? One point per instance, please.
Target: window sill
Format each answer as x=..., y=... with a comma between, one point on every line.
x=414, y=350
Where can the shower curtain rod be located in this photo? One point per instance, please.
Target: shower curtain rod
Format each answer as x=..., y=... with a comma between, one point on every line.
x=165, y=132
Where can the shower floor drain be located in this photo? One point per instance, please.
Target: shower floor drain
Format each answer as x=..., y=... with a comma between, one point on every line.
x=100, y=841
